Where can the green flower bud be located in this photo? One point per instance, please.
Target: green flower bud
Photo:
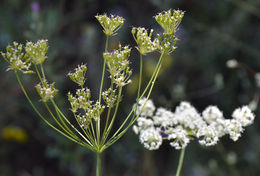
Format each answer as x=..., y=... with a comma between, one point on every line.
x=144, y=41
x=118, y=65
x=110, y=24
x=79, y=75
x=169, y=20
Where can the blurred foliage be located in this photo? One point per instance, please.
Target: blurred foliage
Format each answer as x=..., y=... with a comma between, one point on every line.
x=211, y=33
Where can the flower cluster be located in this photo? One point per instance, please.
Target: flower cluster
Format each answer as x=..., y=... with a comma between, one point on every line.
x=169, y=20
x=109, y=97
x=166, y=43
x=186, y=123
x=118, y=65
x=78, y=76
x=16, y=58
x=86, y=109
x=144, y=41
x=36, y=52
x=46, y=91
x=110, y=24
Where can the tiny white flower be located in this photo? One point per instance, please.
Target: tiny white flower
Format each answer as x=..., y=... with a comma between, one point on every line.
x=211, y=114
x=219, y=127
x=234, y=129
x=146, y=109
x=144, y=123
x=232, y=63
x=164, y=118
x=179, y=138
x=151, y=138
x=136, y=129
x=244, y=115
x=188, y=116
x=208, y=136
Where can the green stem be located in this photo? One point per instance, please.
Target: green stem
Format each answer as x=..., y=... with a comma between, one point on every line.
x=180, y=162
x=43, y=74
x=100, y=91
x=60, y=125
x=98, y=167
x=103, y=72
x=59, y=112
x=107, y=118
x=114, y=115
x=48, y=123
x=140, y=76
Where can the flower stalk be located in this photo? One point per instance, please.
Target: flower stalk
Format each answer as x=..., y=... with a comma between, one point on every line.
x=98, y=166
x=180, y=162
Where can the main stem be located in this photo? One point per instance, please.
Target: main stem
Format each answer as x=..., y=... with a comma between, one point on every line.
x=140, y=76
x=103, y=72
x=98, y=167
x=100, y=92
x=180, y=162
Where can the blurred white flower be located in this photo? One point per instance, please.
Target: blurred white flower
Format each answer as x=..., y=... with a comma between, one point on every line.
x=207, y=136
x=179, y=138
x=211, y=114
x=244, y=115
x=232, y=63
x=164, y=118
x=151, y=138
x=186, y=124
x=234, y=129
x=146, y=109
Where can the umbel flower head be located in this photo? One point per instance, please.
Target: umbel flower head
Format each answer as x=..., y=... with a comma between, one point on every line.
x=46, y=91
x=109, y=97
x=36, y=52
x=166, y=43
x=16, y=58
x=110, y=24
x=85, y=109
x=185, y=124
x=144, y=40
x=118, y=65
x=78, y=76
x=170, y=20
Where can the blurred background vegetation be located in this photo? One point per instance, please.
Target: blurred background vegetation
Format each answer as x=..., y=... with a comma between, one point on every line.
x=211, y=33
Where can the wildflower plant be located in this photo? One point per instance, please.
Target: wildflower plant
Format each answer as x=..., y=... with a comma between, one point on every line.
x=95, y=118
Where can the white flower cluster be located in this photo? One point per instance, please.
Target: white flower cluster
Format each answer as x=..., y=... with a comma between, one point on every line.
x=46, y=91
x=78, y=76
x=185, y=124
x=110, y=24
x=118, y=65
x=144, y=41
